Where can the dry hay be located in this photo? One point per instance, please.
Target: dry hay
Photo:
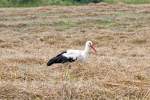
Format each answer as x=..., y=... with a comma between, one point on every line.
x=30, y=36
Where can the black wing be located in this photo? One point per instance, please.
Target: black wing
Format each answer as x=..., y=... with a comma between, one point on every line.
x=59, y=59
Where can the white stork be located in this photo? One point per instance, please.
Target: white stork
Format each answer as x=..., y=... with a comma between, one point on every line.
x=72, y=55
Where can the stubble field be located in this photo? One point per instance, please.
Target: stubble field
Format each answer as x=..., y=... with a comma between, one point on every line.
x=120, y=70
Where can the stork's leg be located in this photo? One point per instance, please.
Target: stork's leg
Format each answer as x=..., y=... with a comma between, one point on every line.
x=62, y=73
x=63, y=70
x=66, y=71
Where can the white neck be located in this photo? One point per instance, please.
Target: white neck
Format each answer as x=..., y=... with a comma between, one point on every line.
x=86, y=49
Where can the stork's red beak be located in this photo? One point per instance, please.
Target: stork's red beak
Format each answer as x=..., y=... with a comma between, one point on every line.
x=93, y=47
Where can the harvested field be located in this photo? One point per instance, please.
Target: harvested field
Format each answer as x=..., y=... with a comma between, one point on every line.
x=29, y=37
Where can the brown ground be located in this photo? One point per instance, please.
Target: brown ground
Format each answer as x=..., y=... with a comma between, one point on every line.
x=119, y=71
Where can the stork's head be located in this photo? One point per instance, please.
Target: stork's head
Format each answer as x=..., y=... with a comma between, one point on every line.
x=91, y=45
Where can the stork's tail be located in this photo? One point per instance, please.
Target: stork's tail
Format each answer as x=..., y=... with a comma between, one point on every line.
x=57, y=59
x=51, y=61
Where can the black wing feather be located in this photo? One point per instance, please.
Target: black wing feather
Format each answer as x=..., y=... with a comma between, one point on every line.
x=59, y=59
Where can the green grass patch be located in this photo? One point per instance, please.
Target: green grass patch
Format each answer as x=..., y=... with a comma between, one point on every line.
x=110, y=1
x=128, y=1
x=20, y=3
x=102, y=23
x=64, y=24
x=136, y=1
x=34, y=3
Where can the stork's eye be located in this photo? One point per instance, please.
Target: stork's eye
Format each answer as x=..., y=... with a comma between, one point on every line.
x=90, y=43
